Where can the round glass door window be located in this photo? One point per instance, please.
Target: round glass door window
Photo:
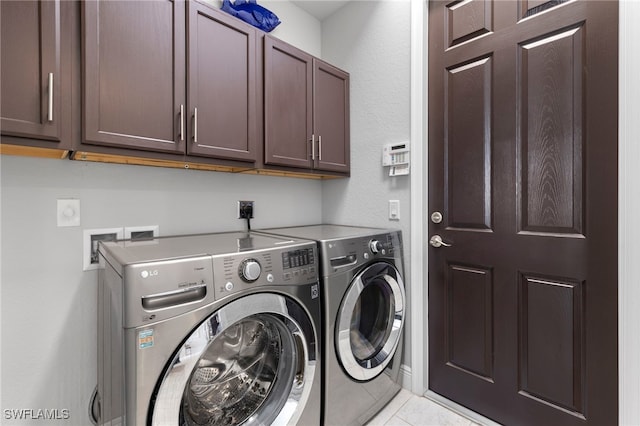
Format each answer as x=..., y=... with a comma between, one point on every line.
x=246, y=364
x=370, y=321
x=238, y=371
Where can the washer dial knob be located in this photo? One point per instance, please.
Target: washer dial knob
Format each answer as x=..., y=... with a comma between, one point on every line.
x=375, y=246
x=250, y=270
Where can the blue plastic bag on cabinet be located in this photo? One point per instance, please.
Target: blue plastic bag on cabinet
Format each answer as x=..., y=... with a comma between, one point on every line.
x=252, y=13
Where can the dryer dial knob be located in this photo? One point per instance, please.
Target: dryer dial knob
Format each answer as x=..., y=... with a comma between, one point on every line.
x=375, y=246
x=250, y=270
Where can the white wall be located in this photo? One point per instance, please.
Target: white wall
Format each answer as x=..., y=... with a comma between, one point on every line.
x=48, y=304
x=371, y=40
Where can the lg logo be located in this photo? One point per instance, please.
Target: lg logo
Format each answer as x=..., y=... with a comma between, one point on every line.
x=147, y=274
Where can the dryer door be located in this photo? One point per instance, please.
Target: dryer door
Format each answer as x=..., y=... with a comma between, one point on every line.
x=370, y=321
x=251, y=362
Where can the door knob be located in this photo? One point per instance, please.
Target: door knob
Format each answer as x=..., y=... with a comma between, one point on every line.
x=436, y=241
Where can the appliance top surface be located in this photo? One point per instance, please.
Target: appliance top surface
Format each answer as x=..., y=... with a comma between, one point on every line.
x=163, y=248
x=324, y=233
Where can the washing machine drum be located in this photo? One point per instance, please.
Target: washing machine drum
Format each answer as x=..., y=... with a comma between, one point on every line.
x=370, y=320
x=243, y=365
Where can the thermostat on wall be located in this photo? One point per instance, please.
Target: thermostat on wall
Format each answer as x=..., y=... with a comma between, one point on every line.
x=396, y=157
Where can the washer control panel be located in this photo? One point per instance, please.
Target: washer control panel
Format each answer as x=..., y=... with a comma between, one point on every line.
x=278, y=266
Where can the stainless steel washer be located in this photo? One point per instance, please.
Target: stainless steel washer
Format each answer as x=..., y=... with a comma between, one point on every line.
x=364, y=314
x=209, y=329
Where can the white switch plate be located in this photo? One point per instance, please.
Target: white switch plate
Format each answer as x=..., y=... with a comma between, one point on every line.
x=68, y=212
x=394, y=209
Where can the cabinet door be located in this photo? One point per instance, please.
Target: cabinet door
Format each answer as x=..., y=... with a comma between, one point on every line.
x=30, y=58
x=134, y=74
x=288, y=86
x=222, y=85
x=331, y=117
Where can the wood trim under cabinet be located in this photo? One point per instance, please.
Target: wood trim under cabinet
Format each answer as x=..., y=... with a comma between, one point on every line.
x=32, y=151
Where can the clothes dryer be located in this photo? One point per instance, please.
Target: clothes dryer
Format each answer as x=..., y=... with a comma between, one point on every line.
x=209, y=329
x=364, y=313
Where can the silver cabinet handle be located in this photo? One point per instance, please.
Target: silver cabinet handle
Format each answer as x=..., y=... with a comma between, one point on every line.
x=195, y=125
x=319, y=148
x=313, y=146
x=50, y=100
x=181, y=123
x=436, y=241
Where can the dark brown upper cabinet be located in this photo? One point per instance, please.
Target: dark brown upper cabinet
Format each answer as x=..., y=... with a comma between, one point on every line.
x=134, y=74
x=306, y=110
x=36, y=75
x=222, y=85
x=169, y=76
x=331, y=117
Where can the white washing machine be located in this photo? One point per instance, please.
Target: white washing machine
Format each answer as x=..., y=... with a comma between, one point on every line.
x=215, y=329
x=364, y=314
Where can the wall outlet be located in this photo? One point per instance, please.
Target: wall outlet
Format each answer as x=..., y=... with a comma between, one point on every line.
x=90, y=246
x=245, y=209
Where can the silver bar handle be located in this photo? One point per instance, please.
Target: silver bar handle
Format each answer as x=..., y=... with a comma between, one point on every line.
x=313, y=146
x=195, y=125
x=50, y=100
x=319, y=148
x=181, y=122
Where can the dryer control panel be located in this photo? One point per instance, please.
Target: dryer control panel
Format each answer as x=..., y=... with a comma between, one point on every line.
x=297, y=265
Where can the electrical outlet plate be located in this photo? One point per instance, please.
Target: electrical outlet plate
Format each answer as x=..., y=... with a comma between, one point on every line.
x=90, y=244
x=241, y=206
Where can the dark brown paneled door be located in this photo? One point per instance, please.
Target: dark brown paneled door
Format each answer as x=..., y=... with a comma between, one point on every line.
x=523, y=168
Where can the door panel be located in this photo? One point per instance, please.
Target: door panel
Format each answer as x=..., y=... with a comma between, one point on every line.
x=468, y=144
x=134, y=74
x=551, y=341
x=523, y=166
x=551, y=106
x=222, y=78
x=468, y=20
x=469, y=335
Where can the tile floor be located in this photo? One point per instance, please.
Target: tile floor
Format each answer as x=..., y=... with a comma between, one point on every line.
x=407, y=409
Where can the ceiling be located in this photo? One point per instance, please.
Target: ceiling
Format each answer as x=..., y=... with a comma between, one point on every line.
x=320, y=9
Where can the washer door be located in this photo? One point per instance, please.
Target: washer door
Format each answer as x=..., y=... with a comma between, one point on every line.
x=370, y=321
x=248, y=363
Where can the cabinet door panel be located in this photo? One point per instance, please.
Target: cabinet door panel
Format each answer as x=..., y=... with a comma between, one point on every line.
x=222, y=85
x=134, y=71
x=331, y=117
x=288, y=104
x=30, y=54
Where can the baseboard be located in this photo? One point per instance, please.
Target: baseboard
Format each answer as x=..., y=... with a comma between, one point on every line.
x=405, y=376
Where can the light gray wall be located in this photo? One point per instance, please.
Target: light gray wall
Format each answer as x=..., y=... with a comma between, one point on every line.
x=371, y=40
